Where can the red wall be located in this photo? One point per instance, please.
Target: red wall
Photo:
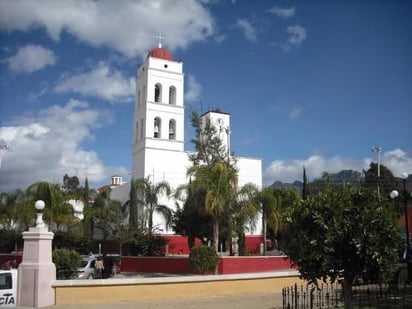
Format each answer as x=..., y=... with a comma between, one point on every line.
x=227, y=265
x=168, y=265
x=253, y=264
x=252, y=243
x=178, y=244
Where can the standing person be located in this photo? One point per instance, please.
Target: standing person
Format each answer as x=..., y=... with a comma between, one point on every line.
x=99, y=266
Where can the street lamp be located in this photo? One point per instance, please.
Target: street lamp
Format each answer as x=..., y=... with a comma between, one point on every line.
x=378, y=149
x=3, y=146
x=394, y=194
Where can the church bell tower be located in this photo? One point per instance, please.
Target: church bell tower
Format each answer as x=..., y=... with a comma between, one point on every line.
x=158, y=132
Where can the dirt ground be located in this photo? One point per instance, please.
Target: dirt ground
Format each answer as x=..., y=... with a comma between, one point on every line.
x=247, y=301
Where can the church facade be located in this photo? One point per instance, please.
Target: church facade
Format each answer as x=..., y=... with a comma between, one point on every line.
x=159, y=136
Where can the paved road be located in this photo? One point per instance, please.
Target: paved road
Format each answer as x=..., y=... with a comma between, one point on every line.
x=247, y=301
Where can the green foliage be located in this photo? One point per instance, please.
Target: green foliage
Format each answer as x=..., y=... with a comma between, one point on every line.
x=343, y=233
x=71, y=185
x=9, y=239
x=70, y=239
x=203, y=259
x=148, y=195
x=387, y=181
x=191, y=220
x=146, y=244
x=67, y=261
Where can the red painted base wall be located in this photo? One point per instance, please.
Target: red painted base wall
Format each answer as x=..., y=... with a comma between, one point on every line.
x=178, y=244
x=227, y=265
x=253, y=264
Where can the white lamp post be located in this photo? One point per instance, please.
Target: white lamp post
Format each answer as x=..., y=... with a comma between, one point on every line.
x=378, y=149
x=3, y=146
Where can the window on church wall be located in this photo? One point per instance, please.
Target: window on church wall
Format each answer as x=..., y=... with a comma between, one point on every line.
x=138, y=98
x=142, y=128
x=144, y=92
x=157, y=127
x=158, y=93
x=172, y=129
x=172, y=95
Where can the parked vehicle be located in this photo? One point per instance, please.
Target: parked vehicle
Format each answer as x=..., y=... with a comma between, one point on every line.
x=8, y=288
x=86, y=269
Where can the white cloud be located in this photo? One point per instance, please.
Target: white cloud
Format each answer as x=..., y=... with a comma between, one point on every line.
x=31, y=58
x=290, y=170
x=295, y=113
x=297, y=35
x=128, y=27
x=100, y=82
x=193, y=89
x=283, y=12
x=49, y=145
x=248, y=30
x=397, y=161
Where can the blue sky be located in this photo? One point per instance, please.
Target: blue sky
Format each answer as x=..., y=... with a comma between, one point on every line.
x=307, y=83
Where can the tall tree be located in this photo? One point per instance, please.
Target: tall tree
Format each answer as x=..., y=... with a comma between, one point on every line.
x=148, y=195
x=305, y=185
x=191, y=219
x=387, y=181
x=130, y=207
x=87, y=220
x=214, y=175
x=71, y=185
x=8, y=208
x=221, y=184
x=343, y=234
x=58, y=213
x=244, y=210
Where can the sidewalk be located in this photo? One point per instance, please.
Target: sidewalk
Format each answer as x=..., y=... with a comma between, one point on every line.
x=247, y=301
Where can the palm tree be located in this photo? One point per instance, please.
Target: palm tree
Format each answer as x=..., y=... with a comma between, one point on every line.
x=244, y=211
x=148, y=196
x=191, y=219
x=58, y=212
x=268, y=202
x=8, y=208
x=219, y=182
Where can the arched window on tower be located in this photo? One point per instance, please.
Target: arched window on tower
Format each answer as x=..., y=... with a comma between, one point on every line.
x=172, y=95
x=172, y=129
x=142, y=128
x=158, y=93
x=157, y=127
x=139, y=99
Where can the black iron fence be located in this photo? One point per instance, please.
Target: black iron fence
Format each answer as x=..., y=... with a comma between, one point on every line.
x=331, y=296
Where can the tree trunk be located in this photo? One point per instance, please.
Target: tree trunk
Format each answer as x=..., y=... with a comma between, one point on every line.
x=190, y=241
x=216, y=236
x=264, y=235
x=347, y=292
x=150, y=219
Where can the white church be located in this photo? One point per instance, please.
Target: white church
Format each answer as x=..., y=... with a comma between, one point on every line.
x=158, y=137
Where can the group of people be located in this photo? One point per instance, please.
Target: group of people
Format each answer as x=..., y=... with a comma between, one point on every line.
x=99, y=266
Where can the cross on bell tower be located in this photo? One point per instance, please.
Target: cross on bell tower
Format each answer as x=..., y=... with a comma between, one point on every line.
x=160, y=37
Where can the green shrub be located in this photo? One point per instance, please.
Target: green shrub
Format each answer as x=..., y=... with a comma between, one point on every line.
x=67, y=261
x=203, y=259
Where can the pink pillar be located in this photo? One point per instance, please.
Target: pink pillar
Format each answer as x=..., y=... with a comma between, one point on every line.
x=37, y=272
